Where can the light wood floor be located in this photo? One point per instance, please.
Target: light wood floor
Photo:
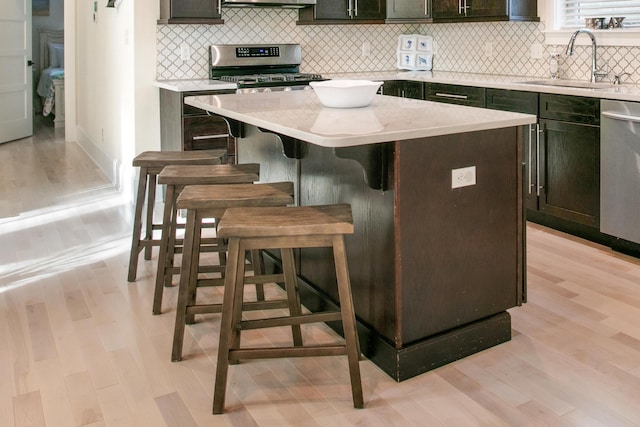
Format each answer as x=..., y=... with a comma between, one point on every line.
x=79, y=346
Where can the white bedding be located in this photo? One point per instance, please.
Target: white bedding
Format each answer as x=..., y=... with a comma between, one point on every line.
x=46, y=89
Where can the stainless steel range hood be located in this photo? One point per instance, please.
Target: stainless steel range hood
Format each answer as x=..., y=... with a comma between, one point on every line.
x=291, y=4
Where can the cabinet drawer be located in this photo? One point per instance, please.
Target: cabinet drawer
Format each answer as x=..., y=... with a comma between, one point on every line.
x=188, y=110
x=573, y=109
x=453, y=94
x=513, y=100
x=208, y=132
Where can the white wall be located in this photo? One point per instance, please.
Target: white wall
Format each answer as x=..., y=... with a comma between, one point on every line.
x=117, y=104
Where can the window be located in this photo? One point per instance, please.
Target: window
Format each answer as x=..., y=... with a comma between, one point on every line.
x=572, y=13
x=562, y=17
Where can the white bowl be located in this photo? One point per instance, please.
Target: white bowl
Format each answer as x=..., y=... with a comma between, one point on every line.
x=345, y=93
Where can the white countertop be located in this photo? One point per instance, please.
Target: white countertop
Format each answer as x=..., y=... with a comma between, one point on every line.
x=193, y=85
x=623, y=92
x=300, y=115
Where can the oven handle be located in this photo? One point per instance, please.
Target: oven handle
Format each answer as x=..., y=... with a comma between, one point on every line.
x=622, y=117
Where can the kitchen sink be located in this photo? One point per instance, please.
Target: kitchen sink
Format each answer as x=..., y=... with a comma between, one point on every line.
x=571, y=83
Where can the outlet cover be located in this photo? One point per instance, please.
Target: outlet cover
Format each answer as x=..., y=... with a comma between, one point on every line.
x=463, y=177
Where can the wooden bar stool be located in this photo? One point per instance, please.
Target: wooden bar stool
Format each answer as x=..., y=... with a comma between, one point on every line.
x=150, y=164
x=251, y=229
x=176, y=177
x=211, y=201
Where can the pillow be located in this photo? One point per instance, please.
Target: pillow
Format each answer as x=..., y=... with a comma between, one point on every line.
x=60, y=54
x=54, y=58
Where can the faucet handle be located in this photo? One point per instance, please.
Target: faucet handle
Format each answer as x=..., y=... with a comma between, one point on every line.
x=599, y=75
x=617, y=79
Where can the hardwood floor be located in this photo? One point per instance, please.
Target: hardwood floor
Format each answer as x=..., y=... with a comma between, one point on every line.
x=79, y=345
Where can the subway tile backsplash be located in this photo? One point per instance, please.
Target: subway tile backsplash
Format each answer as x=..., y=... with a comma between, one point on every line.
x=484, y=47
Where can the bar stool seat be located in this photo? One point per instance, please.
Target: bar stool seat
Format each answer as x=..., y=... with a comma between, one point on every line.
x=211, y=201
x=175, y=177
x=250, y=229
x=151, y=164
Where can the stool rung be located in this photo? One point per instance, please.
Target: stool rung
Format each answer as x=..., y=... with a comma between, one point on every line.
x=146, y=243
x=210, y=282
x=247, y=306
x=277, y=352
x=264, y=278
x=326, y=316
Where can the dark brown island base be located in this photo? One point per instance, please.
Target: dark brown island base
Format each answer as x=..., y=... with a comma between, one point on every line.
x=438, y=253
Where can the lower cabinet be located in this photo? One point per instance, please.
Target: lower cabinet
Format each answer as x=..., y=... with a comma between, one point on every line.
x=403, y=89
x=455, y=94
x=183, y=127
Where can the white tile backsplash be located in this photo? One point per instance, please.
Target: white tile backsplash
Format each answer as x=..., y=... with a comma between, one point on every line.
x=484, y=47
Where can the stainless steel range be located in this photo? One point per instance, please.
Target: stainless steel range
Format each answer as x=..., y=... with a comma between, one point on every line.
x=259, y=68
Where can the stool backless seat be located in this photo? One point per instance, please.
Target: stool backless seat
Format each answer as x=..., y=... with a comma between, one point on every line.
x=211, y=201
x=151, y=164
x=286, y=228
x=176, y=177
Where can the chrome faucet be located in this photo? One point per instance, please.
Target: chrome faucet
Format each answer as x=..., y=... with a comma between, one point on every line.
x=595, y=73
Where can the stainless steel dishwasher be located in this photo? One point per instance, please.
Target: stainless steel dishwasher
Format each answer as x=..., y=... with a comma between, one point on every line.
x=620, y=169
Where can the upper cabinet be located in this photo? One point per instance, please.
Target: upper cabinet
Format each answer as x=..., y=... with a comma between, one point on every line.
x=408, y=10
x=344, y=11
x=190, y=12
x=484, y=10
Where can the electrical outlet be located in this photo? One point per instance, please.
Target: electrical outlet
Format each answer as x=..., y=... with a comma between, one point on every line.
x=488, y=50
x=185, y=52
x=463, y=177
x=366, y=49
x=537, y=51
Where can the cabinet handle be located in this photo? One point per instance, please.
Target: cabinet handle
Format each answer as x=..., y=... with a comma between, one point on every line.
x=355, y=9
x=530, y=153
x=219, y=7
x=538, y=186
x=451, y=95
x=426, y=8
x=622, y=117
x=200, y=137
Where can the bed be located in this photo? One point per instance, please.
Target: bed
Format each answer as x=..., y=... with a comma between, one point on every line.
x=50, y=71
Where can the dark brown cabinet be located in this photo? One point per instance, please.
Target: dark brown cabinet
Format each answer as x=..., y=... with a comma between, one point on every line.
x=344, y=11
x=403, y=89
x=190, y=12
x=455, y=94
x=569, y=158
x=183, y=127
x=484, y=10
x=408, y=10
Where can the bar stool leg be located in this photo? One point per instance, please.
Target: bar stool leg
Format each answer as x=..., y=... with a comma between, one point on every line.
x=164, y=246
x=188, y=248
x=195, y=266
x=234, y=277
x=291, y=286
x=137, y=225
x=151, y=200
x=258, y=269
x=348, y=319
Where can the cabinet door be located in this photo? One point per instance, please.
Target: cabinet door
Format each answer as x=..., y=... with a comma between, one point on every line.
x=486, y=8
x=408, y=9
x=189, y=11
x=369, y=9
x=454, y=94
x=403, y=89
x=446, y=8
x=570, y=171
x=330, y=9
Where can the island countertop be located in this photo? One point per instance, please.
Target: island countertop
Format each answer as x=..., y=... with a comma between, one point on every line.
x=299, y=114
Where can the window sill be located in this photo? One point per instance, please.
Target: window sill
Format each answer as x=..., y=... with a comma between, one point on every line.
x=617, y=37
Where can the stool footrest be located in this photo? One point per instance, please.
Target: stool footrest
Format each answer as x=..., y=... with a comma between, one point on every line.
x=278, y=352
x=264, y=278
x=247, y=306
x=272, y=322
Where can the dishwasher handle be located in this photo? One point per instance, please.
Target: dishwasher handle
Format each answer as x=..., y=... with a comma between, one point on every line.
x=622, y=117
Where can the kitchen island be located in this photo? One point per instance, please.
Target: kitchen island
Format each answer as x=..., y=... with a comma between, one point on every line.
x=437, y=257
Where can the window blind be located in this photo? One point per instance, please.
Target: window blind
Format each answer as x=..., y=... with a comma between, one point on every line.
x=574, y=12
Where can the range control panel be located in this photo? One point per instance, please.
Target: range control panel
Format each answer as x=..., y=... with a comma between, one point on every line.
x=257, y=52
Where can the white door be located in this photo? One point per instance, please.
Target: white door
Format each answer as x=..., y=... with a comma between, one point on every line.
x=16, y=83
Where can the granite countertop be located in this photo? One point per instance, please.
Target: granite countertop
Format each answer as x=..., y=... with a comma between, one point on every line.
x=300, y=115
x=623, y=92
